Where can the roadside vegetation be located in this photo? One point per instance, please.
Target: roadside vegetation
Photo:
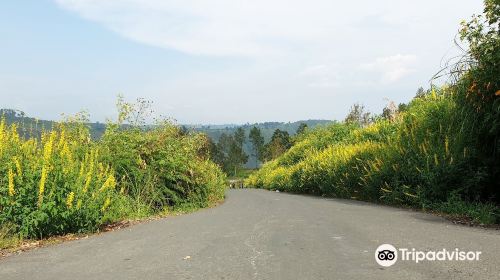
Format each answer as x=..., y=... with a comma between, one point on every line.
x=229, y=152
x=65, y=182
x=438, y=152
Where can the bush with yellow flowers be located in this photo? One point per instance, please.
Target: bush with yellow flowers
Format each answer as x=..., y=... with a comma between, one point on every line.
x=65, y=182
x=55, y=184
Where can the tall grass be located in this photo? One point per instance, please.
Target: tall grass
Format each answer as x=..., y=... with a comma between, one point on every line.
x=421, y=158
x=443, y=152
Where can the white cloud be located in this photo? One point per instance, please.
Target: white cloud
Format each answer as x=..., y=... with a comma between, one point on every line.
x=392, y=68
x=322, y=76
x=217, y=27
x=250, y=27
x=314, y=58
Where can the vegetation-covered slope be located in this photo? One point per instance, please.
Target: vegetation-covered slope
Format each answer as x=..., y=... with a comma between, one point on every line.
x=440, y=152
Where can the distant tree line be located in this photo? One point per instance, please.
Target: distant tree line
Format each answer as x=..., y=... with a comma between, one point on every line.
x=229, y=154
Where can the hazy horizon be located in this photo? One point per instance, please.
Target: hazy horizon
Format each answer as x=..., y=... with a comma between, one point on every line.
x=222, y=62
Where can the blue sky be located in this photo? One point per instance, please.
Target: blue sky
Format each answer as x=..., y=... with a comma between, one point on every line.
x=222, y=61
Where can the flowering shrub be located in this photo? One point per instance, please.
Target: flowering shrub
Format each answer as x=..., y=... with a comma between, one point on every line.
x=65, y=182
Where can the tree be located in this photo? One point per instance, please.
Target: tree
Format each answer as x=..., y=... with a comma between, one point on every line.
x=390, y=111
x=279, y=144
x=420, y=93
x=183, y=130
x=239, y=136
x=229, y=153
x=216, y=154
x=301, y=129
x=237, y=156
x=358, y=115
x=402, y=107
x=257, y=141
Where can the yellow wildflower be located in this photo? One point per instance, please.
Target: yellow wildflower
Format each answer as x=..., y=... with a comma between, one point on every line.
x=69, y=200
x=47, y=154
x=89, y=172
x=80, y=175
x=62, y=139
x=14, y=134
x=2, y=134
x=18, y=167
x=110, y=182
x=12, y=192
x=41, y=188
x=107, y=202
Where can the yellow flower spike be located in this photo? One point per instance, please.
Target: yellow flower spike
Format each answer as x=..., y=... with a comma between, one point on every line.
x=433, y=94
x=12, y=191
x=2, y=134
x=436, y=160
x=62, y=139
x=41, y=188
x=18, y=167
x=87, y=182
x=110, y=183
x=107, y=202
x=47, y=155
x=80, y=175
x=79, y=204
x=14, y=134
x=69, y=200
x=88, y=179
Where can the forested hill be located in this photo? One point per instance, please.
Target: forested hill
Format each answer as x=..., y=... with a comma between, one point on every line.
x=267, y=128
x=30, y=126
x=213, y=131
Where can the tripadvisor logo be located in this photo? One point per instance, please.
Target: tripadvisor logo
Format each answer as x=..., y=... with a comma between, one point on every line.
x=386, y=255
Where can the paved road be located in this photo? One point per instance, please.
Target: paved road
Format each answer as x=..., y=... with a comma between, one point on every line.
x=258, y=234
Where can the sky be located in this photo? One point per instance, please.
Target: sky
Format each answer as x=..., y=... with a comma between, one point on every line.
x=222, y=61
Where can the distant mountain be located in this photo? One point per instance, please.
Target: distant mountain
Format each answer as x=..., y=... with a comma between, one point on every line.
x=30, y=127
x=267, y=129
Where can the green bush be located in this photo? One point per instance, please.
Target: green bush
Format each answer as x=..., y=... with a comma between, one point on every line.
x=67, y=183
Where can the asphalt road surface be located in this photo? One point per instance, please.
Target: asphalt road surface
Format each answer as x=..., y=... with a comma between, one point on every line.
x=258, y=234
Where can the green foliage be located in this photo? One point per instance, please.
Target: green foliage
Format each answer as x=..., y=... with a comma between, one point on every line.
x=440, y=151
x=358, y=115
x=301, y=129
x=418, y=159
x=478, y=93
x=266, y=129
x=257, y=141
x=279, y=144
x=228, y=153
x=484, y=213
x=66, y=183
